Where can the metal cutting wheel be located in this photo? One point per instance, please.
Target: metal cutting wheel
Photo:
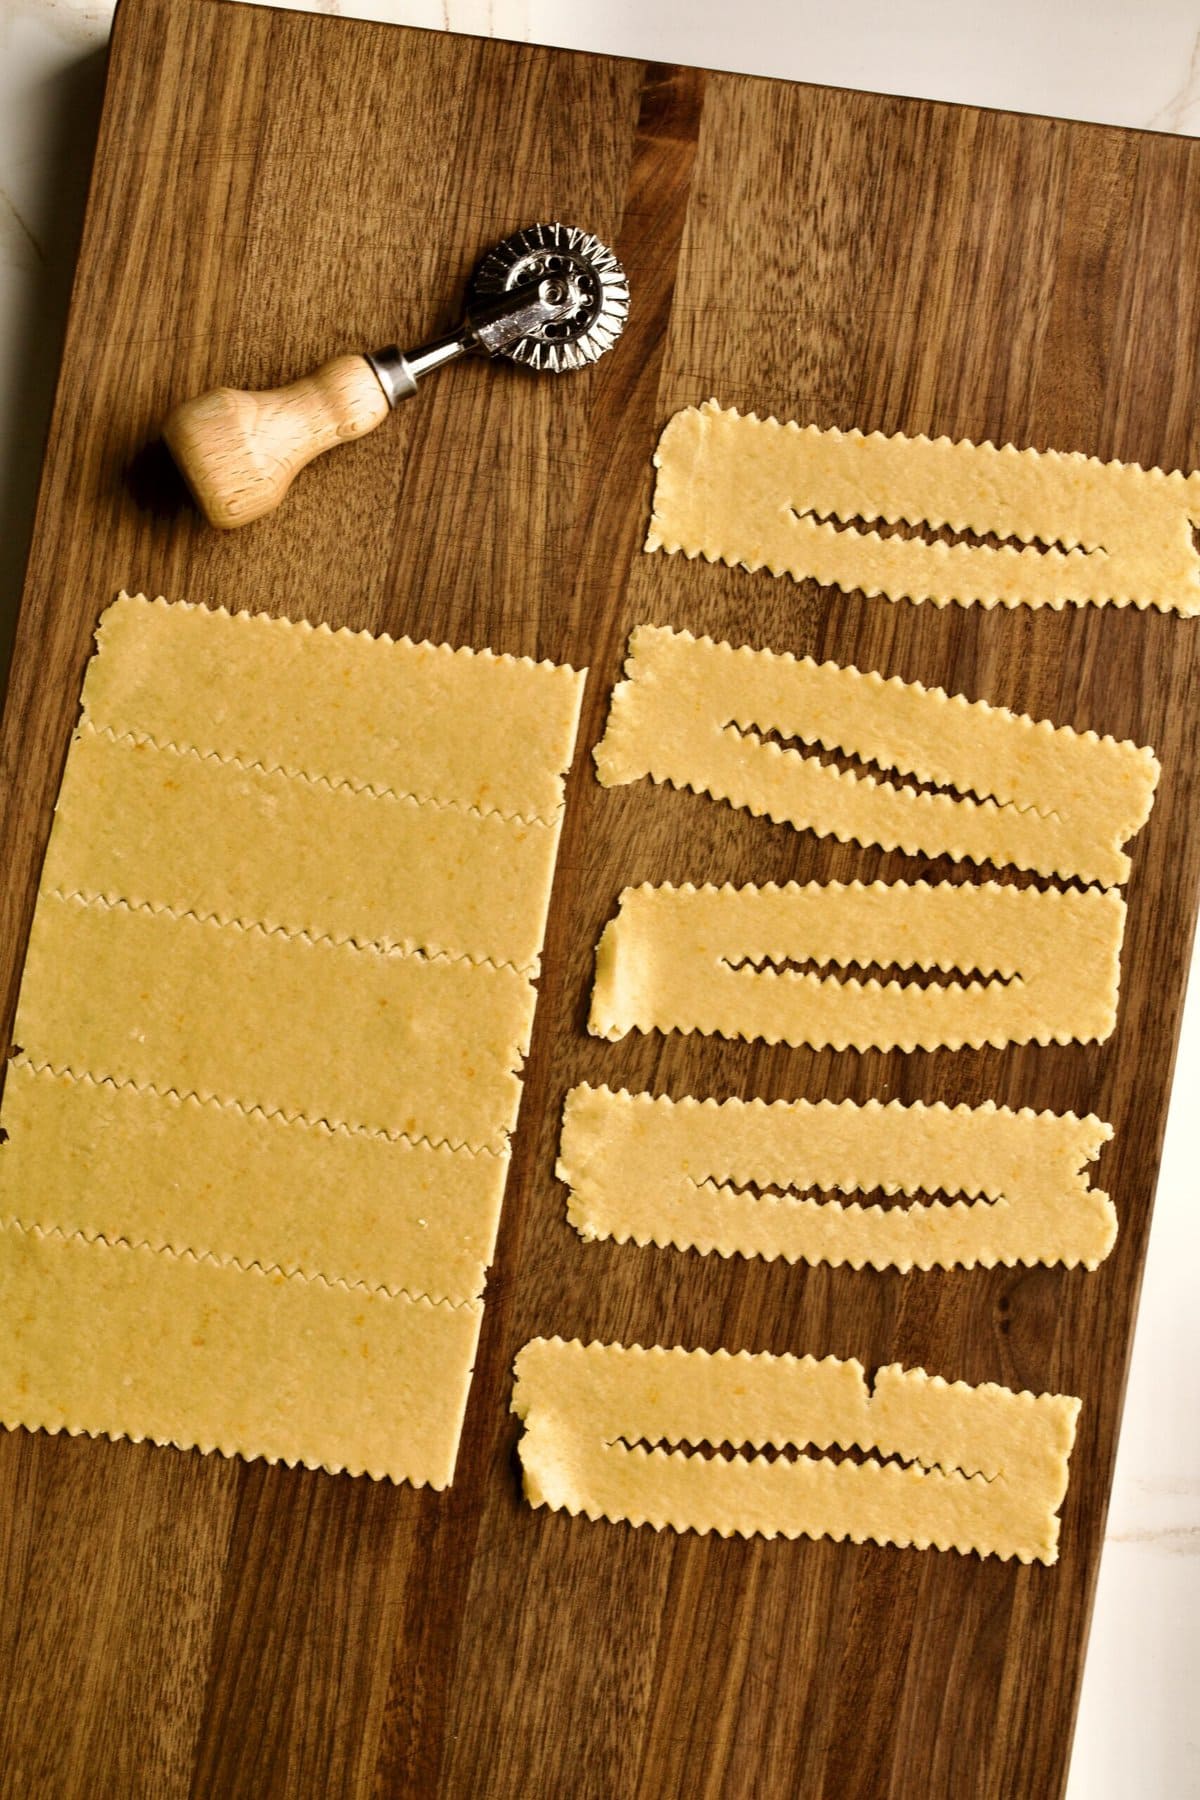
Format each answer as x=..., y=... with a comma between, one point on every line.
x=567, y=254
x=551, y=296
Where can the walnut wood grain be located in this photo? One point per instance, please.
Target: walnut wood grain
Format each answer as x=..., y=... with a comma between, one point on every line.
x=271, y=189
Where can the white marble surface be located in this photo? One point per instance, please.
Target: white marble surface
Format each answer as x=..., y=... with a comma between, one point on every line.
x=1124, y=62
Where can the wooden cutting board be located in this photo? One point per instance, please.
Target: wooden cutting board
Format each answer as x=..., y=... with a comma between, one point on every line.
x=269, y=189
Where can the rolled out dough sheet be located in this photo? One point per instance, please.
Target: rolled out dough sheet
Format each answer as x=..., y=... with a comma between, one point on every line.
x=671, y=1437
x=817, y=504
x=376, y=1040
x=697, y=714
x=895, y=965
x=146, y=1168
x=140, y=1343
x=460, y=726
x=275, y=1004
x=964, y=1186
x=188, y=833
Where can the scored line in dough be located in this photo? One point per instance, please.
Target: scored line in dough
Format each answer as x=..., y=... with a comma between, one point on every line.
x=205, y=1355
x=385, y=1041
x=184, y=1174
x=278, y=992
x=183, y=833
x=338, y=706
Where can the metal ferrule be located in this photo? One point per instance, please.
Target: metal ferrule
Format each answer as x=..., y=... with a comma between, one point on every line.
x=394, y=373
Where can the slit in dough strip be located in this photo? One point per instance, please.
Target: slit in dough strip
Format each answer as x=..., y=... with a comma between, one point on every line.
x=896, y=965
x=184, y=1174
x=138, y=1343
x=809, y=503
x=729, y=1177
x=626, y=1433
x=337, y=706
x=697, y=713
x=371, y=1039
x=179, y=831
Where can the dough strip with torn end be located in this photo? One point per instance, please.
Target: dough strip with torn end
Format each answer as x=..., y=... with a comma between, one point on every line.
x=964, y=1187
x=139, y=1343
x=702, y=715
x=628, y=1433
x=902, y=966
x=822, y=505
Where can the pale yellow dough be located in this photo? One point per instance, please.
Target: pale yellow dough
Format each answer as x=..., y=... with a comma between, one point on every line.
x=188, y=833
x=278, y=991
x=141, y=1343
x=1025, y=965
x=460, y=726
x=728, y=1176
x=801, y=501
x=132, y=1165
x=626, y=1433
x=696, y=713
x=376, y=1040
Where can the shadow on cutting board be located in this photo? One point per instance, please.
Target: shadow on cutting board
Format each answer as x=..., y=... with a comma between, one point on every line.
x=52, y=220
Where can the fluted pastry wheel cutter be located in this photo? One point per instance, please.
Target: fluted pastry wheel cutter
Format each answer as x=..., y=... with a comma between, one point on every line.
x=552, y=297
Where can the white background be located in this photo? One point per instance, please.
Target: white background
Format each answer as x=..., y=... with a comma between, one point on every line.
x=1122, y=62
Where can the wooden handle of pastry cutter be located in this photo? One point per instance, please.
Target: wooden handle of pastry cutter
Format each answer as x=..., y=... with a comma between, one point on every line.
x=240, y=452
